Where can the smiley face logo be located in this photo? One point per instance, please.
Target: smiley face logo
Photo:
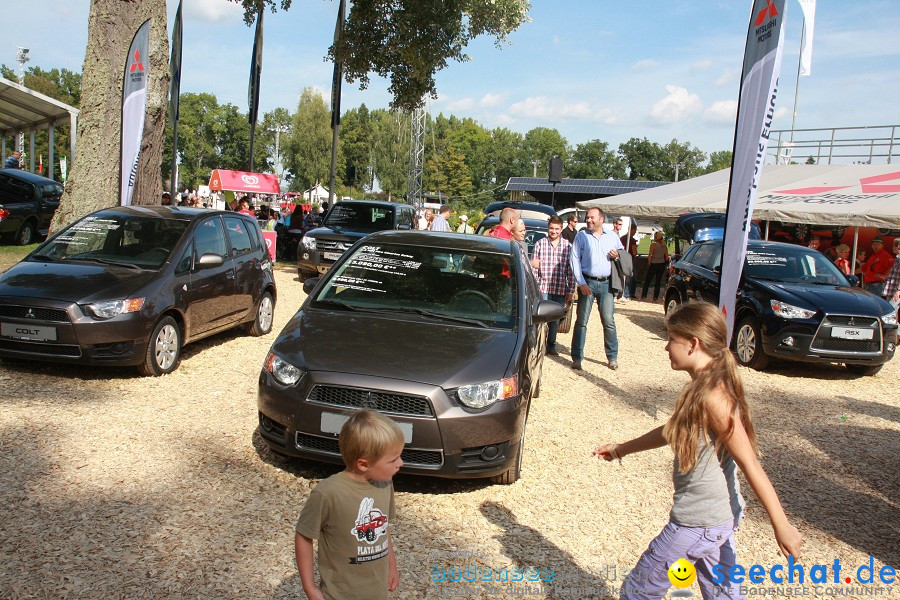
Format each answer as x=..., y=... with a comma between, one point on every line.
x=682, y=573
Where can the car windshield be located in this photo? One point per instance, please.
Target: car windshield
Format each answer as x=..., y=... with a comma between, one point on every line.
x=359, y=217
x=463, y=286
x=793, y=266
x=127, y=240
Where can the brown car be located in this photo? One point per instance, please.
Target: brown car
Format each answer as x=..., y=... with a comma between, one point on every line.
x=444, y=333
x=132, y=285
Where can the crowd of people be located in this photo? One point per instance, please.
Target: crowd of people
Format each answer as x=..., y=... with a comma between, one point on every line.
x=878, y=272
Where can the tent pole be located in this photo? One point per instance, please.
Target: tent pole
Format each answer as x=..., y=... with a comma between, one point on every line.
x=767, y=230
x=853, y=256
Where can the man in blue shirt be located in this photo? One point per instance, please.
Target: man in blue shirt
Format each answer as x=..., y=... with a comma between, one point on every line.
x=592, y=254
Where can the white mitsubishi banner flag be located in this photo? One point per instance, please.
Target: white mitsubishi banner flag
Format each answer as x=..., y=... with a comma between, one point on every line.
x=806, y=42
x=134, y=109
x=756, y=109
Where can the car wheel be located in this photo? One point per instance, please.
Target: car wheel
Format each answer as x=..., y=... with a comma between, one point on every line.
x=26, y=233
x=866, y=370
x=801, y=232
x=748, y=344
x=164, y=349
x=265, y=313
x=370, y=535
x=672, y=301
x=515, y=470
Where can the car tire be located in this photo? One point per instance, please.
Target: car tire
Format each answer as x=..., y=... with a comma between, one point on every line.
x=26, y=233
x=864, y=370
x=748, y=348
x=673, y=299
x=164, y=349
x=265, y=315
x=512, y=474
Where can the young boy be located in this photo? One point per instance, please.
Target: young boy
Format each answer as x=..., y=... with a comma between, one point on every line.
x=349, y=513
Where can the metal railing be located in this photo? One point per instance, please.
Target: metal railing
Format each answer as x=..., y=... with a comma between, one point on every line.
x=872, y=144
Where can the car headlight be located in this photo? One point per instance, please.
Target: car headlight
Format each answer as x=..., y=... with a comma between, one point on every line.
x=284, y=372
x=113, y=308
x=482, y=395
x=789, y=311
x=890, y=318
x=308, y=242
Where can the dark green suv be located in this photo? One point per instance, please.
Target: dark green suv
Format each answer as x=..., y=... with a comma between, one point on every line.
x=27, y=204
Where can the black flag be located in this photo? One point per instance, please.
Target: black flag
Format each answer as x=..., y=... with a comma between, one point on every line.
x=338, y=70
x=175, y=68
x=255, y=76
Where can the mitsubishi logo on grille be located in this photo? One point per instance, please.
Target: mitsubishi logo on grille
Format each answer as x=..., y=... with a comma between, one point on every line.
x=370, y=402
x=851, y=322
x=29, y=314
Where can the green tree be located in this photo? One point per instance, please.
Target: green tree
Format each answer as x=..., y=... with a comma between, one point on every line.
x=594, y=160
x=308, y=152
x=355, y=149
x=508, y=159
x=473, y=142
x=684, y=162
x=718, y=160
x=232, y=131
x=390, y=150
x=645, y=160
x=542, y=144
x=448, y=174
x=197, y=141
x=266, y=152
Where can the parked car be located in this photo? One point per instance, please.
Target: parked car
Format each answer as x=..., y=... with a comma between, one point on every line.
x=792, y=303
x=27, y=204
x=132, y=285
x=347, y=222
x=528, y=210
x=442, y=332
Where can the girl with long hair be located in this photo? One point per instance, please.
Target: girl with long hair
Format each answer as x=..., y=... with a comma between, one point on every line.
x=711, y=434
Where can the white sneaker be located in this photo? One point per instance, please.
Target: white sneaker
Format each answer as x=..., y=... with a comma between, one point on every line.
x=624, y=298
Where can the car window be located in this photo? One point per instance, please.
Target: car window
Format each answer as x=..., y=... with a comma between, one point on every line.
x=706, y=256
x=792, y=266
x=238, y=235
x=186, y=261
x=359, y=217
x=405, y=218
x=51, y=191
x=16, y=190
x=144, y=242
x=209, y=238
x=443, y=282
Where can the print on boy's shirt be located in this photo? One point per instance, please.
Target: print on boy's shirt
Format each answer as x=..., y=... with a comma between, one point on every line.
x=371, y=524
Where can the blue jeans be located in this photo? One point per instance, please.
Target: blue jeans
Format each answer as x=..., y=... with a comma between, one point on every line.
x=876, y=288
x=600, y=291
x=553, y=326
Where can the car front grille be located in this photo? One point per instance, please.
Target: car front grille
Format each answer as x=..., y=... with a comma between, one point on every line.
x=329, y=246
x=410, y=457
x=14, y=311
x=387, y=402
x=46, y=349
x=825, y=343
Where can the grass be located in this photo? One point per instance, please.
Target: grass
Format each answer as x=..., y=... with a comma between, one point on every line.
x=10, y=255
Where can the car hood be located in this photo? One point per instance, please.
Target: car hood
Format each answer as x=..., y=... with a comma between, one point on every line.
x=434, y=353
x=72, y=282
x=342, y=235
x=828, y=298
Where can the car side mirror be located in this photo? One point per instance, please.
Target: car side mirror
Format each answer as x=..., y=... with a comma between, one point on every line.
x=209, y=260
x=310, y=284
x=547, y=310
x=853, y=279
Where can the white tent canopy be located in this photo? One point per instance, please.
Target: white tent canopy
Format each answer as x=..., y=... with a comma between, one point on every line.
x=862, y=195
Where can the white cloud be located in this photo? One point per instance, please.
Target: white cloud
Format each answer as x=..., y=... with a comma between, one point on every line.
x=553, y=109
x=489, y=100
x=702, y=65
x=782, y=112
x=214, y=11
x=646, y=63
x=678, y=105
x=728, y=77
x=722, y=112
x=460, y=104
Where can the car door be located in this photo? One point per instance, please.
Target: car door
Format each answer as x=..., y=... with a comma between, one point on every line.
x=247, y=261
x=704, y=284
x=49, y=202
x=535, y=332
x=211, y=293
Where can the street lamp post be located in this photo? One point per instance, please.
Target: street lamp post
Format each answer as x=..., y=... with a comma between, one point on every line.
x=279, y=129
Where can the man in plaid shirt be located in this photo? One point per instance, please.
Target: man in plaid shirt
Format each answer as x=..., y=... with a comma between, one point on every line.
x=551, y=262
x=891, y=291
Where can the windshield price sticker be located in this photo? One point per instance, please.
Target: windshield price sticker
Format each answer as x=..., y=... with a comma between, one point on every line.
x=356, y=283
x=756, y=258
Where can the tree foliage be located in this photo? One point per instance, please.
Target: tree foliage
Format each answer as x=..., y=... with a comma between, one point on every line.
x=408, y=41
x=308, y=152
x=594, y=160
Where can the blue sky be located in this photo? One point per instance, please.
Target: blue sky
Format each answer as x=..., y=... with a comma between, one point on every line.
x=593, y=69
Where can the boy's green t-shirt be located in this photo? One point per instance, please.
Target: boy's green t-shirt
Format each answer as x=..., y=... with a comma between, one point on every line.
x=350, y=519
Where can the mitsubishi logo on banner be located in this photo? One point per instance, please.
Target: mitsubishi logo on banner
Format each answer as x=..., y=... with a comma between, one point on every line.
x=770, y=10
x=137, y=65
x=250, y=179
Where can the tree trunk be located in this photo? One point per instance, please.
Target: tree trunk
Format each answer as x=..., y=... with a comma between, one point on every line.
x=93, y=181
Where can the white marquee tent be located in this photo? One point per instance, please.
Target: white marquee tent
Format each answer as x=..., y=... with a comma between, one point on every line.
x=861, y=195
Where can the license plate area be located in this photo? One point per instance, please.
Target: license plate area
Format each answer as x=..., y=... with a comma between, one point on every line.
x=332, y=423
x=852, y=333
x=34, y=333
x=331, y=255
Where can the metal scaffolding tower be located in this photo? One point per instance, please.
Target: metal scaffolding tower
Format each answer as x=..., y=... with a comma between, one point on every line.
x=416, y=156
